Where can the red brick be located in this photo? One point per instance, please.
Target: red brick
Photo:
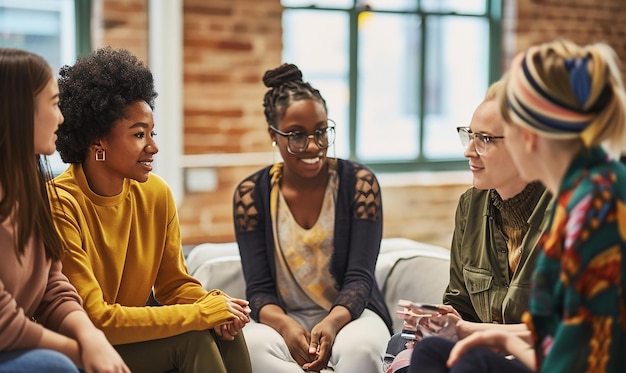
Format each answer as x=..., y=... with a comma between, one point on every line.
x=229, y=44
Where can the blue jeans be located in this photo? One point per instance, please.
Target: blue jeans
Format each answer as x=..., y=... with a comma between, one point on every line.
x=35, y=361
x=431, y=354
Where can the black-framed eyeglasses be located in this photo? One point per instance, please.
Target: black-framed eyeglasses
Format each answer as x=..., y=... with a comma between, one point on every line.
x=480, y=139
x=298, y=142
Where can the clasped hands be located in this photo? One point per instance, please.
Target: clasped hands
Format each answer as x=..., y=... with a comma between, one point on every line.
x=241, y=309
x=310, y=350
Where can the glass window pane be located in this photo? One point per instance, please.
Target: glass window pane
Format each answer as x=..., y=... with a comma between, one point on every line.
x=389, y=120
x=459, y=6
x=388, y=78
x=341, y=4
x=322, y=56
x=392, y=4
x=45, y=27
x=456, y=80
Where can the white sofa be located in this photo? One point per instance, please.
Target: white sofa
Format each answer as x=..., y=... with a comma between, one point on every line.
x=406, y=269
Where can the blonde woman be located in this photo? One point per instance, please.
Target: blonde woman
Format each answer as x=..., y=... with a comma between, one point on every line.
x=563, y=102
x=498, y=223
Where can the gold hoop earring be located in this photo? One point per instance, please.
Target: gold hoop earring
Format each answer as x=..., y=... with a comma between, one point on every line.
x=100, y=155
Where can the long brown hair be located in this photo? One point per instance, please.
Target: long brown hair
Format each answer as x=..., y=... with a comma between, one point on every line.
x=23, y=175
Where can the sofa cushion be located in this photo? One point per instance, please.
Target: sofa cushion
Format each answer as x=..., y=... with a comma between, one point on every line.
x=405, y=269
x=218, y=266
x=412, y=270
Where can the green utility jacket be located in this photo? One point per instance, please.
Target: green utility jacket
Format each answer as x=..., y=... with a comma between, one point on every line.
x=479, y=287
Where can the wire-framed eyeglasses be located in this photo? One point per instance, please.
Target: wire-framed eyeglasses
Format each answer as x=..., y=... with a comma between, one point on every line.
x=481, y=141
x=298, y=142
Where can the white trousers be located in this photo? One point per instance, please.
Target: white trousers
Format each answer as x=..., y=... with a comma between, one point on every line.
x=359, y=346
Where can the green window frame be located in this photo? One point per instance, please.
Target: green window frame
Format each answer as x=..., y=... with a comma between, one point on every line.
x=82, y=10
x=42, y=28
x=339, y=64
x=34, y=11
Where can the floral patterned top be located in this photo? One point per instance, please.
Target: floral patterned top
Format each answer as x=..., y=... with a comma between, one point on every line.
x=577, y=307
x=357, y=232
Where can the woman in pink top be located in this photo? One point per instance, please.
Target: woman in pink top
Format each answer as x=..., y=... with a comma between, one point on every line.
x=43, y=327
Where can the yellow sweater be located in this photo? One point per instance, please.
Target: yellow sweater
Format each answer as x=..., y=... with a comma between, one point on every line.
x=122, y=246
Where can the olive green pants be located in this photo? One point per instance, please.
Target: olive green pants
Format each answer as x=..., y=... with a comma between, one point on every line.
x=191, y=352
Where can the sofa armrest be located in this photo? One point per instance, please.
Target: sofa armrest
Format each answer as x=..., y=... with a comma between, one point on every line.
x=412, y=270
x=218, y=266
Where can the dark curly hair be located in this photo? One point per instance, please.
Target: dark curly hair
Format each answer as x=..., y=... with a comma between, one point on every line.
x=286, y=86
x=95, y=92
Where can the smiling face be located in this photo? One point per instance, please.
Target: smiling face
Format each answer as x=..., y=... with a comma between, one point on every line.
x=47, y=118
x=303, y=116
x=129, y=148
x=495, y=168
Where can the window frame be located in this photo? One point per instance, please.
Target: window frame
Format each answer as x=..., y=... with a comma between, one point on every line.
x=82, y=46
x=493, y=14
x=82, y=10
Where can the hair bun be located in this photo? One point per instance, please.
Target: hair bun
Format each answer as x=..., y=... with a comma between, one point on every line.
x=282, y=74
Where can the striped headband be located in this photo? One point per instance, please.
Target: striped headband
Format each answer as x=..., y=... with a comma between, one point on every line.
x=531, y=104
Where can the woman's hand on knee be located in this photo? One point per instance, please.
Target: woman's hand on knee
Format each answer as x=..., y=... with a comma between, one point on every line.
x=322, y=340
x=495, y=340
x=297, y=339
x=99, y=356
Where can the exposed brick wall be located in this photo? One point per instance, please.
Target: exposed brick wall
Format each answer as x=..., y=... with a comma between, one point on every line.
x=530, y=22
x=122, y=23
x=228, y=44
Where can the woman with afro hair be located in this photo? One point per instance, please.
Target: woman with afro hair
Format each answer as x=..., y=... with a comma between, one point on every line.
x=120, y=225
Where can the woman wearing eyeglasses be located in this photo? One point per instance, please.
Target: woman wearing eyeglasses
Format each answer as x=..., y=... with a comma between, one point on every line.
x=565, y=110
x=309, y=232
x=565, y=124
x=498, y=224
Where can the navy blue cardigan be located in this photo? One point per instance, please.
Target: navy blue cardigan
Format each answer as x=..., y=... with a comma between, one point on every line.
x=358, y=231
